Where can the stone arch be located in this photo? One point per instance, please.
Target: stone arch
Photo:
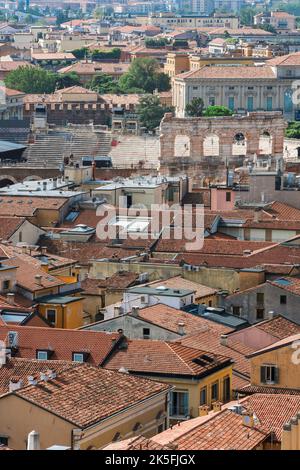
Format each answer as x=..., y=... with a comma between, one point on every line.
x=265, y=142
x=7, y=180
x=211, y=145
x=182, y=146
x=32, y=178
x=239, y=143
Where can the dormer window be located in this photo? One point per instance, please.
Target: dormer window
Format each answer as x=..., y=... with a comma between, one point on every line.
x=43, y=354
x=79, y=356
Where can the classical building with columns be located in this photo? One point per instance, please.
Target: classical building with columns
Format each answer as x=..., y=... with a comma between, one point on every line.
x=267, y=87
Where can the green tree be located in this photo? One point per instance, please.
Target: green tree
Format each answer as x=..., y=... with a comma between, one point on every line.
x=267, y=27
x=66, y=80
x=195, y=107
x=246, y=15
x=81, y=53
x=103, y=83
x=151, y=111
x=293, y=130
x=211, y=111
x=144, y=73
x=31, y=79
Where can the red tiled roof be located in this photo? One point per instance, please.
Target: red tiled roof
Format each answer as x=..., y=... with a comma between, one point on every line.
x=61, y=342
x=273, y=410
x=119, y=280
x=215, y=72
x=169, y=317
x=224, y=431
x=251, y=389
x=85, y=395
x=16, y=368
x=162, y=357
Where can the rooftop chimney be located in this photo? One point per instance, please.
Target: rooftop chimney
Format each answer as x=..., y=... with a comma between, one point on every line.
x=248, y=419
x=38, y=279
x=10, y=298
x=180, y=330
x=203, y=410
x=15, y=384
x=217, y=406
x=116, y=311
x=45, y=267
x=271, y=314
x=51, y=374
x=44, y=377
x=31, y=380
x=33, y=441
x=135, y=311
x=223, y=340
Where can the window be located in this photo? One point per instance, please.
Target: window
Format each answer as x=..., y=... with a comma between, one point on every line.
x=6, y=285
x=146, y=333
x=215, y=391
x=283, y=299
x=269, y=88
x=250, y=103
x=203, y=396
x=260, y=298
x=42, y=355
x=179, y=404
x=236, y=310
x=211, y=101
x=231, y=88
x=51, y=316
x=195, y=88
x=4, y=440
x=226, y=389
x=20, y=236
x=78, y=357
x=250, y=88
x=228, y=196
x=269, y=374
x=260, y=313
x=269, y=103
x=231, y=102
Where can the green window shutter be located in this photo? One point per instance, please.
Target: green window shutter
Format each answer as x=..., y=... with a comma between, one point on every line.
x=263, y=374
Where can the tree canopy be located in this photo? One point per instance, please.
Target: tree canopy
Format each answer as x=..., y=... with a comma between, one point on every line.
x=195, y=107
x=144, y=74
x=103, y=83
x=293, y=130
x=211, y=111
x=151, y=111
x=31, y=79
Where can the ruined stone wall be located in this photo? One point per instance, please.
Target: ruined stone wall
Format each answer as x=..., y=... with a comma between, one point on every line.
x=193, y=161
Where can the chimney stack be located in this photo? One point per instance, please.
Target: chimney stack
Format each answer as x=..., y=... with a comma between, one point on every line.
x=33, y=441
x=44, y=250
x=38, y=279
x=248, y=419
x=224, y=340
x=180, y=330
x=11, y=298
x=31, y=380
x=203, y=410
x=45, y=267
x=51, y=374
x=135, y=311
x=15, y=384
x=271, y=314
x=217, y=406
x=44, y=377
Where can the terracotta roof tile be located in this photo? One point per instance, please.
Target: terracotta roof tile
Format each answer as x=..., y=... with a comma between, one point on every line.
x=85, y=395
x=162, y=357
x=61, y=342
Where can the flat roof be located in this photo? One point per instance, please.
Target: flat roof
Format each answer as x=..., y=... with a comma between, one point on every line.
x=160, y=290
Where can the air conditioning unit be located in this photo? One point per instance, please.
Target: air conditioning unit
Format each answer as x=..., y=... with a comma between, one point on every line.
x=143, y=277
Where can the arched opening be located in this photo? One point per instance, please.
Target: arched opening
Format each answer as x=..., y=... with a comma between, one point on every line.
x=32, y=178
x=211, y=146
x=265, y=143
x=6, y=182
x=182, y=146
x=239, y=145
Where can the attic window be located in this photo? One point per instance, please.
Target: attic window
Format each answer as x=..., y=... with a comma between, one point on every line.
x=43, y=354
x=80, y=356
